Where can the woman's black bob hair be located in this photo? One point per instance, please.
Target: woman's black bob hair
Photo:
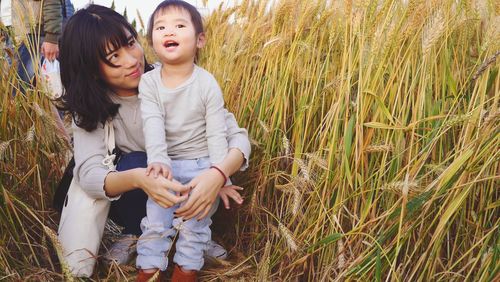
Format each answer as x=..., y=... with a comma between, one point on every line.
x=86, y=38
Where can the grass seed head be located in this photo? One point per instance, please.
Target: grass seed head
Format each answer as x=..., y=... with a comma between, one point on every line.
x=3, y=148
x=433, y=31
x=30, y=135
x=287, y=235
x=263, y=270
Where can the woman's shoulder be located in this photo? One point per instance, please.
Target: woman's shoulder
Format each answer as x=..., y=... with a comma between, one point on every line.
x=156, y=65
x=154, y=71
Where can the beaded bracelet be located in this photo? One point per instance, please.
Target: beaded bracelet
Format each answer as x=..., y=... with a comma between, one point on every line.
x=222, y=173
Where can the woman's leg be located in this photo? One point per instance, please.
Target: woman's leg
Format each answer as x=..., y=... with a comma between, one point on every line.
x=129, y=210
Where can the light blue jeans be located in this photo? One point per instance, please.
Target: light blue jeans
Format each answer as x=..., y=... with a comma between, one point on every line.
x=159, y=227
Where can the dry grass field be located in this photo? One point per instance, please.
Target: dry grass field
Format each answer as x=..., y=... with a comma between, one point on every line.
x=375, y=132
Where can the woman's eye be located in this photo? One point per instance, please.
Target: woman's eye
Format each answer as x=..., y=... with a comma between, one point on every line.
x=113, y=57
x=131, y=43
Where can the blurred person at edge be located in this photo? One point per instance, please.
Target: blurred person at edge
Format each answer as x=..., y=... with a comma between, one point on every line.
x=32, y=26
x=29, y=23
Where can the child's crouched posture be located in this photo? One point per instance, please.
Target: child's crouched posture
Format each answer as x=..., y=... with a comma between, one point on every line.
x=183, y=121
x=161, y=225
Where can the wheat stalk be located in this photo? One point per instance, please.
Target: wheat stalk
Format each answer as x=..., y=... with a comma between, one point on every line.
x=263, y=272
x=433, y=31
x=60, y=254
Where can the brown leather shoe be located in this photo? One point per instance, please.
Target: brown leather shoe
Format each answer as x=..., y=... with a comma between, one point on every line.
x=145, y=277
x=181, y=276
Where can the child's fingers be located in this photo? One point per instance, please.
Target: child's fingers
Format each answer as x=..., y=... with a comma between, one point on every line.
x=185, y=193
x=148, y=170
x=166, y=172
x=233, y=187
x=183, y=198
x=233, y=194
x=236, y=197
x=155, y=172
x=225, y=200
x=237, y=187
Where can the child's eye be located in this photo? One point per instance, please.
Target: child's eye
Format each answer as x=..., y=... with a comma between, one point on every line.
x=180, y=26
x=160, y=28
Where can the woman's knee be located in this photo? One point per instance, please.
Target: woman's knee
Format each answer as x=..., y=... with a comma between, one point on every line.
x=132, y=160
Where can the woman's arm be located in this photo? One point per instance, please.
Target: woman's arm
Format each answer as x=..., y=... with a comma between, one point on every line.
x=237, y=137
x=100, y=182
x=157, y=188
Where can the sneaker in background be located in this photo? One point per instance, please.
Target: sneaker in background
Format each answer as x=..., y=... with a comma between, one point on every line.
x=122, y=249
x=215, y=250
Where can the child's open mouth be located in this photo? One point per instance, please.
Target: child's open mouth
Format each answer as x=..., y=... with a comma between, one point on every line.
x=170, y=44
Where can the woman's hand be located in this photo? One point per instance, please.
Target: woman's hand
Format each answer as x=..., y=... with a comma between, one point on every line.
x=205, y=188
x=159, y=189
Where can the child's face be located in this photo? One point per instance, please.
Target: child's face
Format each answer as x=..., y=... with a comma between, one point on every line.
x=174, y=37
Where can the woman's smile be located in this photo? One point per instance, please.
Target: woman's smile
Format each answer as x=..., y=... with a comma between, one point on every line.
x=136, y=72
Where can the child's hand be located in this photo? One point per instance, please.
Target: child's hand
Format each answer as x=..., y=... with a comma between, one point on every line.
x=230, y=191
x=159, y=168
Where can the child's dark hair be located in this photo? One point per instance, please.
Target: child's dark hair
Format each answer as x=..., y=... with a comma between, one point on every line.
x=167, y=4
x=86, y=38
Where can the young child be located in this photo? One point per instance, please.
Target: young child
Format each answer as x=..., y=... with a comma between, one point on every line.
x=183, y=114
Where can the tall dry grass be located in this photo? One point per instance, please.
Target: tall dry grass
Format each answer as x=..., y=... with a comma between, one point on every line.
x=31, y=157
x=376, y=136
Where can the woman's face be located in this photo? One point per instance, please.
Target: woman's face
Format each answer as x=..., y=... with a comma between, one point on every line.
x=129, y=59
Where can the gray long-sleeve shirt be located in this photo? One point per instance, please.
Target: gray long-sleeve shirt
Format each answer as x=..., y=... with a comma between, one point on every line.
x=186, y=122
x=90, y=150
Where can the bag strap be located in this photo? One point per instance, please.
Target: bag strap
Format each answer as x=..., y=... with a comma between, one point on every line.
x=109, y=140
x=109, y=136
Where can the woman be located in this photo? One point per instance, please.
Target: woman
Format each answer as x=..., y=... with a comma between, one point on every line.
x=101, y=65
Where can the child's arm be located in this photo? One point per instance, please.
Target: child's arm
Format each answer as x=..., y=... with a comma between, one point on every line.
x=153, y=121
x=215, y=122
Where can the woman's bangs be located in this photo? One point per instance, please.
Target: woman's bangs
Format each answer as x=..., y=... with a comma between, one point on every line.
x=112, y=38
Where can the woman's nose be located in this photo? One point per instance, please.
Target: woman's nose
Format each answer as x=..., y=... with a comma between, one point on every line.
x=130, y=60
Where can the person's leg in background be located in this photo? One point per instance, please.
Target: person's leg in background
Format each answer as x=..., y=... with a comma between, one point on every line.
x=27, y=53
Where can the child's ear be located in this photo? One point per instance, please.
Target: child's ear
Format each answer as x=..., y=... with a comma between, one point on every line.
x=201, y=40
